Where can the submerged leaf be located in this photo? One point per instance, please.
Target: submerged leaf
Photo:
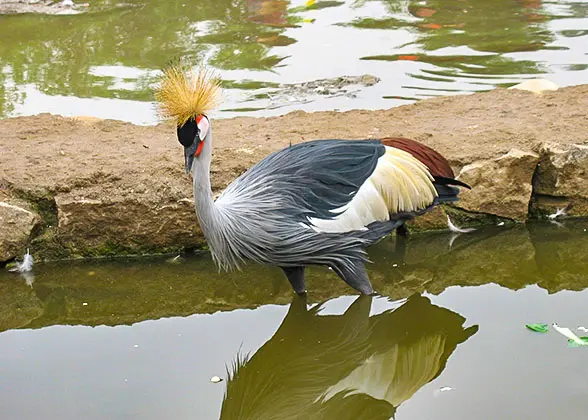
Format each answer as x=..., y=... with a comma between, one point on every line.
x=540, y=328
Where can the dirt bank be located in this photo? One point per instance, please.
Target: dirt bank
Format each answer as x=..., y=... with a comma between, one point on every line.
x=81, y=186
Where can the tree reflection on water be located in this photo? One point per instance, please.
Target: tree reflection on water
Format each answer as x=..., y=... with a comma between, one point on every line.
x=116, y=50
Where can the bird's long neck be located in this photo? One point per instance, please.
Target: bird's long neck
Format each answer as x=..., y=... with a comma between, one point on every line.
x=203, y=202
x=213, y=221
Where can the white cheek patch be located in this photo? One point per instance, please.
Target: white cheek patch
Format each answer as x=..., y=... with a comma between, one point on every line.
x=203, y=126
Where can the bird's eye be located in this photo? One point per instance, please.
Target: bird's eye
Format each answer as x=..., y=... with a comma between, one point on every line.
x=187, y=133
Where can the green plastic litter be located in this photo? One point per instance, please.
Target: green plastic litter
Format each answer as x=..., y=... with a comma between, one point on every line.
x=540, y=328
x=572, y=343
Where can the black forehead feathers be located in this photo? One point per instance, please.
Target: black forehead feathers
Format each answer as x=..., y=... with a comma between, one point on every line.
x=188, y=133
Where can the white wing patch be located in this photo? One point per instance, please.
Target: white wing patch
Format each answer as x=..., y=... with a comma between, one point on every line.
x=400, y=183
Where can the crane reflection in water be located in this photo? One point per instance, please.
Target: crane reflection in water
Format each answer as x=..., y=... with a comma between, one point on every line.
x=345, y=366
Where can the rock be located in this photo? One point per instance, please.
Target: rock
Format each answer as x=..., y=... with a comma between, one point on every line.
x=123, y=225
x=16, y=226
x=536, y=85
x=543, y=205
x=500, y=186
x=562, y=178
x=436, y=219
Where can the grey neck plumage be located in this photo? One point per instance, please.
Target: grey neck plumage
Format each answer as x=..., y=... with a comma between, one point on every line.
x=210, y=217
x=203, y=201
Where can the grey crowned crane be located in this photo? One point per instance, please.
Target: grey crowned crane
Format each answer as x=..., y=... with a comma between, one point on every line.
x=320, y=202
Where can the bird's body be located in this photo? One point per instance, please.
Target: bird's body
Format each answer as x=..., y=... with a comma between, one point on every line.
x=315, y=203
x=289, y=209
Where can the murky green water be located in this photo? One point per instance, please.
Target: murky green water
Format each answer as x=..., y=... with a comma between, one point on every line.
x=103, y=63
x=446, y=340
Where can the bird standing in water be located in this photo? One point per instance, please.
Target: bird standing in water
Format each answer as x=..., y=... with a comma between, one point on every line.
x=320, y=202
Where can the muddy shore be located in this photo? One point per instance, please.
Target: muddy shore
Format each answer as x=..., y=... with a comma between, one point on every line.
x=79, y=187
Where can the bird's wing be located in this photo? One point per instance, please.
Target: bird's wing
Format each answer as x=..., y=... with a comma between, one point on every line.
x=436, y=163
x=335, y=185
x=438, y=166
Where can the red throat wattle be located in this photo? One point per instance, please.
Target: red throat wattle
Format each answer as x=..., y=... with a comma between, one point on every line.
x=201, y=144
x=199, y=149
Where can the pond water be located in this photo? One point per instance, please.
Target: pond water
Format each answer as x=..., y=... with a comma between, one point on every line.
x=446, y=339
x=104, y=63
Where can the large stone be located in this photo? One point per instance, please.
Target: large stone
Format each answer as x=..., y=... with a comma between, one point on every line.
x=562, y=178
x=125, y=225
x=435, y=219
x=16, y=226
x=500, y=186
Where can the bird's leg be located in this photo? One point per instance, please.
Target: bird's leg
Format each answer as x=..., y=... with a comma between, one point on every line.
x=402, y=230
x=296, y=278
x=355, y=275
x=400, y=248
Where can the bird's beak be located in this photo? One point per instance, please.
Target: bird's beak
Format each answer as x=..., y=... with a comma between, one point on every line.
x=189, y=153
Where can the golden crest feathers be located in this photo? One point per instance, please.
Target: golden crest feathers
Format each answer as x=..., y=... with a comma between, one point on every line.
x=184, y=93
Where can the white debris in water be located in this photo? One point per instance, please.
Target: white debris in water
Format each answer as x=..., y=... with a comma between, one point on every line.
x=583, y=329
x=452, y=239
x=566, y=332
x=558, y=224
x=394, y=265
x=175, y=260
x=558, y=213
x=136, y=346
x=438, y=392
x=457, y=229
x=500, y=224
x=216, y=379
x=29, y=278
x=26, y=265
x=84, y=303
